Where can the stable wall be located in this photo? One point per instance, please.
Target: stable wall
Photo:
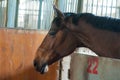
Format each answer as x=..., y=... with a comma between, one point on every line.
x=17, y=51
x=84, y=67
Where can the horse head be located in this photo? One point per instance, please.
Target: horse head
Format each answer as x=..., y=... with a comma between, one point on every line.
x=58, y=43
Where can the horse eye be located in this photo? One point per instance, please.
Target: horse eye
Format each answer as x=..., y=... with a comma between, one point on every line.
x=53, y=33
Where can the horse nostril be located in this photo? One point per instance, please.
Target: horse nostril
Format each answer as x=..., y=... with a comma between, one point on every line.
x=35, y=63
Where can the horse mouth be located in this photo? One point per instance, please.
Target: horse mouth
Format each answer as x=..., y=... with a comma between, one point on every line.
x=43, y=69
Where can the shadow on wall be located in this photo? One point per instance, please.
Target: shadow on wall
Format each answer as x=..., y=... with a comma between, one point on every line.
x=30, y=74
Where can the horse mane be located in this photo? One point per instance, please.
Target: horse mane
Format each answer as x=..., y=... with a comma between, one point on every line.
x=105, y=23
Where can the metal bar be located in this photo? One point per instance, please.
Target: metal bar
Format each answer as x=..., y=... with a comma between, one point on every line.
x=2, y=17
x=39, y=14
x=97, y=7
x=47, y=11
x=68, y=5
x=50, y=1
x=45, y=19
x=1, y=3
x=73, y=10
x=11, y=13
x=102, y=7
x=106, y=7
x=119, y=12
x=76, y=5
x=33, y=13
x=72, y=5
x=65, y=6
x=1, y=14
x=80, y=6
x=16, y=15
x=111, y=8
x=6, y=19
x=87, y=6
x=29, y=9
x=116, y=10
x=92, y=6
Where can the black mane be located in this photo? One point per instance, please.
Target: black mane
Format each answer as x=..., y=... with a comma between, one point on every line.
x=105, y=23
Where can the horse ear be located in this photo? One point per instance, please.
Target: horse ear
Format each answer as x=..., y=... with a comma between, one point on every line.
x=58, y=13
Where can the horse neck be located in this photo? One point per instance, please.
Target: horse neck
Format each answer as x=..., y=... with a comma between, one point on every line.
x=81, y=32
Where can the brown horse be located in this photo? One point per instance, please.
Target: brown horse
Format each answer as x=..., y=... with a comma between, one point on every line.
x=69, y=31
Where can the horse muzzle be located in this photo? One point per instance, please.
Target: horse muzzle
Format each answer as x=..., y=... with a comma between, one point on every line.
x=42, y=69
